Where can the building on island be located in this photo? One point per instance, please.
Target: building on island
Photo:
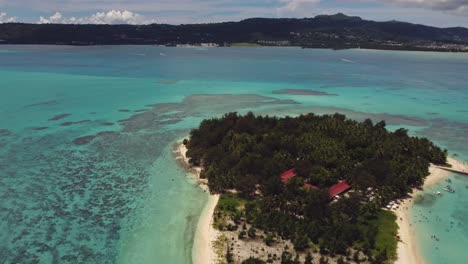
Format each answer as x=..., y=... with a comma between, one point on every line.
x=287, y=175
x=338, y=188
x=335, y=190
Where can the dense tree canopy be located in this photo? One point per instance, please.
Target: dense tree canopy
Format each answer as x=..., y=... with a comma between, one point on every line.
x=239, y=152
x=248, y=153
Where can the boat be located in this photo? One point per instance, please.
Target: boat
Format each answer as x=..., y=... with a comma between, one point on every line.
x=438, y=193
x=449, y=189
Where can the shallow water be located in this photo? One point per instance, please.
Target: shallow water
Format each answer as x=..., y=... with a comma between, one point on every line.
x=120, y=196
x=441, y=224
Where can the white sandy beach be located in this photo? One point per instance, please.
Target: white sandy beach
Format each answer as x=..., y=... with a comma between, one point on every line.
x=205, y=234
x=408, y=251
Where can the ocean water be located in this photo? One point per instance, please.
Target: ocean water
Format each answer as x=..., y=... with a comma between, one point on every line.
x=87, y=169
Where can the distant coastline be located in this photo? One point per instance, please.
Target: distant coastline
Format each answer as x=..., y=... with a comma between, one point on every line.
x=335, y=32
x=248, y=45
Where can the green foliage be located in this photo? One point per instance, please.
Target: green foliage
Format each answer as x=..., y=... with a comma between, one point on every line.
x=340, y=260
x=250, y=152
x=229, y=256
x=269, y=239
x=287, y=258
x=356, y=257
x=253, y=260
x=252, y=232
x=242, y=152
x=242, y=234
x=308, y=259
x=323, y=260
x=386, y=238
x=229, y=203
x=230, y=206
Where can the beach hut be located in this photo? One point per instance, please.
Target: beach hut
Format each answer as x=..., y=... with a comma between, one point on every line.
x=338, y=188
x=287, y=175
x=310, y=186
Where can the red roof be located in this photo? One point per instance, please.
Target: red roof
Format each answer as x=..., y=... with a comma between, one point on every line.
x=338, y=188
x=309, y=186
x=287, y=175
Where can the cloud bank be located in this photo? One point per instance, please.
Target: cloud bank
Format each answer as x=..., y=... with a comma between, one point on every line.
x=456, y=7
x=432, y=12
x=4, y=18
x=112, y=17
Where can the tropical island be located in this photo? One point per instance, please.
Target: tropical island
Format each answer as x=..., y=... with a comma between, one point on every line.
x=307, y=189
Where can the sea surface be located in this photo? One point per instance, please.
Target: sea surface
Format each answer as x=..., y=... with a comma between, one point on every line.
x=87, y=134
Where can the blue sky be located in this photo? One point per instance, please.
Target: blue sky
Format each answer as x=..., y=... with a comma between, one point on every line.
x=443, y=13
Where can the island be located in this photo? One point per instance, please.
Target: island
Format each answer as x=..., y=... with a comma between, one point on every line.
x=306, y=189
x=337, y=31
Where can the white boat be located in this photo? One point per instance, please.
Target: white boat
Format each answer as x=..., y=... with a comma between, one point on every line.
x=438, y=193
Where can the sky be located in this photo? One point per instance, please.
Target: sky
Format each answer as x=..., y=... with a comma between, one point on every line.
x=440, y=13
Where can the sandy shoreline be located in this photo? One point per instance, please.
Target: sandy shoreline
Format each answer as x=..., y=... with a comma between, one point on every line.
x=205, y=234
x=408, y=251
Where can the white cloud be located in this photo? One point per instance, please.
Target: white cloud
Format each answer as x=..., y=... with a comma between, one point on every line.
x=55, y=19
x=295, y=8
x=434, y=12
x=110, y=17
x=4, y=18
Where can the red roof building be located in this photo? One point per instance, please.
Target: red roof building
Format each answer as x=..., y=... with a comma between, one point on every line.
x=333, y=191
x=309, y=186
x=287, y=175
x=338, y=188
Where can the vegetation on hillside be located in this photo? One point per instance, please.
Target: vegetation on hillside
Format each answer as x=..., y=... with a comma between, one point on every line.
x=325, y=31
x=248, y=153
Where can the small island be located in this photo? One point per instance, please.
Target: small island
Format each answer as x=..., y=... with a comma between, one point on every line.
x=307, y=189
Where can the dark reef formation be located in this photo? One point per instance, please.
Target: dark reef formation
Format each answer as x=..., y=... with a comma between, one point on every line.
x=83, y=140
x=58, y=117
x=107, y=123
x=46, y=103
x=302, y=92
x=4, y=132
x=39, y=128
x=75, y=123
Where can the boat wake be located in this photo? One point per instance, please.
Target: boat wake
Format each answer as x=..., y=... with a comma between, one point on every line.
x=349, y=61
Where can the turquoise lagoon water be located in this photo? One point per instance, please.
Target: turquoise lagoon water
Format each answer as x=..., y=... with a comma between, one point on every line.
x=99, y=183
